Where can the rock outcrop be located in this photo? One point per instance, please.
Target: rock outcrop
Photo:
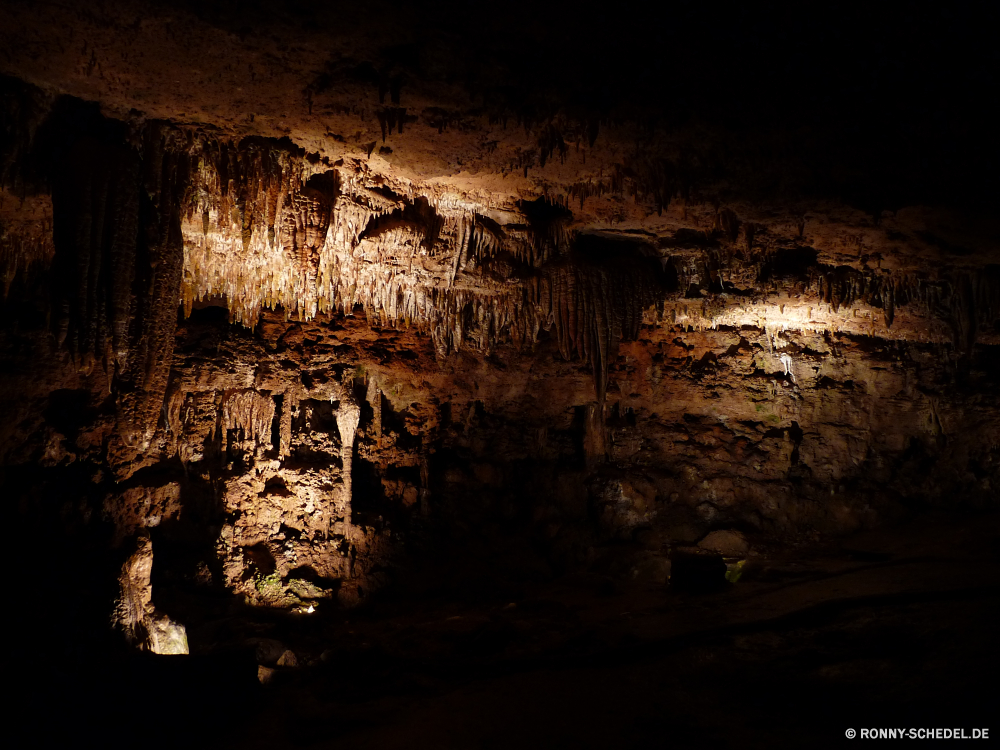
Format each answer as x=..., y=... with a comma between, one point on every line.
x=135, y=614
x=319, y=326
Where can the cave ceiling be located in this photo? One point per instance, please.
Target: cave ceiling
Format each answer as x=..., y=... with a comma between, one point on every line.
x=453, y=153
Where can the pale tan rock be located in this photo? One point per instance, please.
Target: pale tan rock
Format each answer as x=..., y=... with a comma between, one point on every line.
x=727, y=543
x=166, y=636
x=142, y=507
x=265, y=674
x=143, y=626
x=134, y=608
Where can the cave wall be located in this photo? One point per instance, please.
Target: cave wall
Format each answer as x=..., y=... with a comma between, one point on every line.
x=307, y=374
x=509, y=459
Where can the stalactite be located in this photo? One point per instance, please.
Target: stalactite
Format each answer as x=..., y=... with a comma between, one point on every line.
x=256, y=201
x=117, y=204
x=399, y=256
x=593, y=306
x=969, y=303
x=95, y=199
x=249, y=411
x=24, y=247
x=348, y=417
x=262, y=226
x=728, y=222
x=158, y=270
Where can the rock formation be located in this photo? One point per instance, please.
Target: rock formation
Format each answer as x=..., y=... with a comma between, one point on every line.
x=135, y=614
x=322, y=314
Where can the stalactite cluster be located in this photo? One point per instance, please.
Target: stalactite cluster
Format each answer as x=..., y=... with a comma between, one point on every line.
x=657, y=180
x=96, y=198
x=117, y=200
x=250, y=413
x=156, y=278
x=594, y=306
x=146, y=215
x=264, y=227
x=317, y=242
x=248, y=200
x=25, y=242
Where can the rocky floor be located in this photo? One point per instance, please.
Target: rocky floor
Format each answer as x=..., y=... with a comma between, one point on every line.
x=886, y=628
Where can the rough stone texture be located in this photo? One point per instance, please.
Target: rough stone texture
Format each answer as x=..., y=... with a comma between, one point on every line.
x=726, y=542
x=135, y=605
x=142, y=507
x=498, y=374
x=135, y=614
x=327, y=312
x=700, y=429
x=166, y=637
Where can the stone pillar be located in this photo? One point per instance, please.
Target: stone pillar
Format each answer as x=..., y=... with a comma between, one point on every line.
x=347, y=423
x=143, y=626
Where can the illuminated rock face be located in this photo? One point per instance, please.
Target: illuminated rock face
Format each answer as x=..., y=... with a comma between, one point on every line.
x=305, y=356
x=135, y=614
x=363, y=365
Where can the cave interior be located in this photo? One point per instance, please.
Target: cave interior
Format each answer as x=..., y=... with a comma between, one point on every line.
x=462, y=376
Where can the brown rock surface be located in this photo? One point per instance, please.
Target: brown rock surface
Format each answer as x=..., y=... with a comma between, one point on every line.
x=348, y=307
x=726, y=542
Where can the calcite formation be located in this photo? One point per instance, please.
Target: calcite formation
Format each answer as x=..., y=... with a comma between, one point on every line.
x=310, y=341
x=135, y=614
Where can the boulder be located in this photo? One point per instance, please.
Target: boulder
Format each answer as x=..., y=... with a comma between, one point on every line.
x=166, y=636
x=727, y=543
